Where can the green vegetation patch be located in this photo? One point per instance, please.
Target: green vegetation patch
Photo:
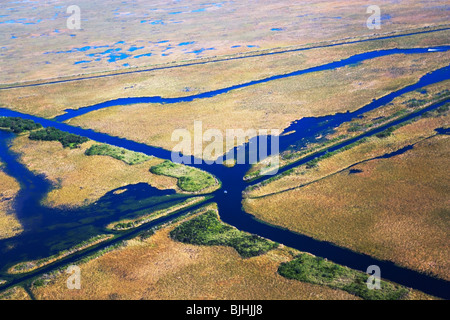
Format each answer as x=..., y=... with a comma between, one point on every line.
x=385, y=133
x=189, y=179
x=207, y=229
x=317, y=270
x=18, y=125
x=127, y=156
x=52, y=134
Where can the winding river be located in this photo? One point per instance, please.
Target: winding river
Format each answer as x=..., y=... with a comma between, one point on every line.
x=48, y=230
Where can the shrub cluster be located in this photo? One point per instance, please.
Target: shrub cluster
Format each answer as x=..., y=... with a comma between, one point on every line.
x=18, y=125
x=52, y=134
x=385, y=133
x=207, y=229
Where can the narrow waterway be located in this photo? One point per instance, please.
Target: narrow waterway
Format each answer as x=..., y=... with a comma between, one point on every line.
x=357, y=58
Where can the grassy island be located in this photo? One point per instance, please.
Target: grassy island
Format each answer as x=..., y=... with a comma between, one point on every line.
x=207, y=229
x=189, y=179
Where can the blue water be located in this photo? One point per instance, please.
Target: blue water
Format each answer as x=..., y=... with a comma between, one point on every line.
x=50, y=230
x=82, y=61
x=143, y=55
x=186, y=43
x=134, y=48
x=113, y=57
x=199, y=10
x=199, y=51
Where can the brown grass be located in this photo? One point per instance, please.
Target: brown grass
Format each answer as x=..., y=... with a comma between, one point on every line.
x=15, y=293
x=159, y=268
x=9, y=225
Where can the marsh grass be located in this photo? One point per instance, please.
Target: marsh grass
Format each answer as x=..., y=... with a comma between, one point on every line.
x=189, y=179
x=389, y=140
x=399, y=107
x=127, y=156
x=153, y=266
x=207, y=229
x=9, y=224
x=15, y=293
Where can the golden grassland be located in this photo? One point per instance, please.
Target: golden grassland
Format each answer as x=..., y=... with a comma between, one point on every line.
x=28, y=49
x=9, y=225
x=81, y=179
x=373, y=147
x=272, y=105
x=52, y=100
x=15, y=293
x=394, y=209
